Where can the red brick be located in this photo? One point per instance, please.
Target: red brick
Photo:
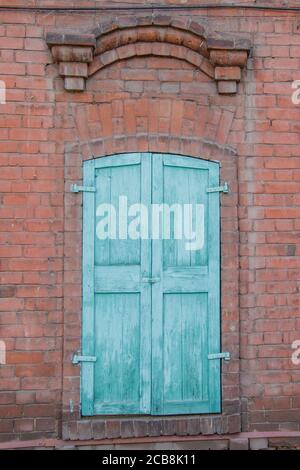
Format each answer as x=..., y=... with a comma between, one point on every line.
x=24, y=357
x=25, y=134
x=15, y=31
x=227, y=87
x=228, y=73
x=74, y=83
x=6, y=426
x=7, y=398
x=10, y=304
x=37, y=410
x=9, y=384
x=10, y=411
x=32, y=57
x=46, y=424
x=72, y=69
x=28, y=265
x=35, y=344
x=284, y=213
x=12, y=69
x=35, y=44
x=44, y=370
x=22, y=425
x=25, y=397
x=11, y=43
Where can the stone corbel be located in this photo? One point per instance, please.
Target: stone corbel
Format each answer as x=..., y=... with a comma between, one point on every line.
x=73, y=53
x=229, y=57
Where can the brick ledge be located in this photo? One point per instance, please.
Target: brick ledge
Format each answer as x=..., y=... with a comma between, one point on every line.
x=256, y=437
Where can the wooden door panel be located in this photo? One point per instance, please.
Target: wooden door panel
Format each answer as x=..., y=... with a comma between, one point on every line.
x=151, y=308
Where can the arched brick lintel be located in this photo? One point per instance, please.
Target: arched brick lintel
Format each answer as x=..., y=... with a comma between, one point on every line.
x=144, y=49
x=156, y=143
x=165, y=118
x=206, y=135
x=180, y=24
x=152, y=33
x=80, y=55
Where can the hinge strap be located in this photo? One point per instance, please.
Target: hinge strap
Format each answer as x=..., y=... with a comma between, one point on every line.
x=222, y=355
x=219, y=189
x=75, y=188
x=76, y=359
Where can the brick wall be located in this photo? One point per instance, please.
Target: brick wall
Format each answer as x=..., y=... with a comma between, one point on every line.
x=141, y=103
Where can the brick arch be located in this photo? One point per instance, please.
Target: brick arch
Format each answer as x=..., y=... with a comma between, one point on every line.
x=143, y=49
x=168, y=126
x=175, y=25
x=151, y=35
x=191, y=34
x=81, y=55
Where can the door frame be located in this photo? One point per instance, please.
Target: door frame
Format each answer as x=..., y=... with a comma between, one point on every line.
x=74, y=425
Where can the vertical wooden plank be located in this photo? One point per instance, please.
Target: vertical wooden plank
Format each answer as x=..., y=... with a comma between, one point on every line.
x=184, y=185
x=194, y=345
x=214, y=292
x=103, y=195
x=185, y=351
x=88, y=296
x=125, y=181
x=172, y=348
x=108, y=344
x=117, y=339
x=157, y=294
x=145, y=352
x=131, y=349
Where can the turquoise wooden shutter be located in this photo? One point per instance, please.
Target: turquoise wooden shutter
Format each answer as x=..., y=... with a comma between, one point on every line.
x=116, y=315
x=151, y=339
x=185, y=304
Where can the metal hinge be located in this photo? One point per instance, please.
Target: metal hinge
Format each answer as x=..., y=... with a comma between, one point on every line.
x=219, y=189
x=76, y=359
x=75, y=188
x=222, y=355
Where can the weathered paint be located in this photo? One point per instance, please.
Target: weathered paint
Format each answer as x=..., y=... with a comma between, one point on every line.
x=150, y=307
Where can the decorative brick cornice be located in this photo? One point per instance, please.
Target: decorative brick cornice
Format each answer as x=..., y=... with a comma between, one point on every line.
x=73, y=52
x=229, y=57
x=81, y=55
